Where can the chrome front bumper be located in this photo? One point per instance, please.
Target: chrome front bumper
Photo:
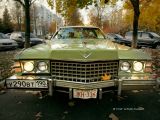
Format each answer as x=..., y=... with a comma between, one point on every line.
x=119, y=84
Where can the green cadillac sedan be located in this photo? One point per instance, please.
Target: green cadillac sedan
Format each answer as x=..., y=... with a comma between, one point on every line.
x=80, y=61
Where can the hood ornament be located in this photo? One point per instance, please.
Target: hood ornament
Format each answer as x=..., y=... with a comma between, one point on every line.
x=84, y=44
x=86, y=55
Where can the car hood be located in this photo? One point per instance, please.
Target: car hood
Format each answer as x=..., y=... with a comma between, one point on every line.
x=7, y=41
x=91, y=51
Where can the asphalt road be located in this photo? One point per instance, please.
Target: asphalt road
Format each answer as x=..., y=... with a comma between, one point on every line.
x=134, y=105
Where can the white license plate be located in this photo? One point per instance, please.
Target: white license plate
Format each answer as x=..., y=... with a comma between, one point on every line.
x=27, y=84
x=84, y=94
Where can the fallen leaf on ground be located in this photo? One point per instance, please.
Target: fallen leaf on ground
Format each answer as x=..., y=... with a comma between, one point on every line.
x=65, y=112
x=20, y=102
x=39, y=114
x=120, y=98
x=113, y=116
x=135, y=91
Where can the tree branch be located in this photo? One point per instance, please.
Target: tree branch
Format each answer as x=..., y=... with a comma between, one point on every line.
x=31, y=2
x=20, y=2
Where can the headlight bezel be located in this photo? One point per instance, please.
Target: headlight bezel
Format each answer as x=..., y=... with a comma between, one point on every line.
x=43, y=71
x=122, y=65
x=132, y=67
x=138, y=66
x=35, y=64
x=24, y=65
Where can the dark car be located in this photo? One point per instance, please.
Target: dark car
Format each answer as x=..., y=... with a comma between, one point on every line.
x=118, y=39
x=19, y=37
x=146, y=39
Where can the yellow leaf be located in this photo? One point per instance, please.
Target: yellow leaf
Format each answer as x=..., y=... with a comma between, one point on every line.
x=106, y=76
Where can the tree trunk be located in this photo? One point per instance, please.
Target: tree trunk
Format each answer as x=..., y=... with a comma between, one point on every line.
x=27, y=24
x=135, y=4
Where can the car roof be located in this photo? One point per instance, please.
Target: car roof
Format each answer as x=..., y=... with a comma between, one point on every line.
x=137, y=31
x=78, y=27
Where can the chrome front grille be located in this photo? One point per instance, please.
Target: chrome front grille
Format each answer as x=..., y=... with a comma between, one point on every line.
x=83, y=71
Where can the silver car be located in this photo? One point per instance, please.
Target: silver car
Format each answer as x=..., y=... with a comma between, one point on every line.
x=19, y=37
x=6, y=43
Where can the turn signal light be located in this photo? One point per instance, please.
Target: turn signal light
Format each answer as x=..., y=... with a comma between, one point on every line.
x=148, y=67
x=16, y=67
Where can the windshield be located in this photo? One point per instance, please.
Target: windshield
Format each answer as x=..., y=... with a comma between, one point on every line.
x=154, y=34
x=2, y=36
x=79, y=33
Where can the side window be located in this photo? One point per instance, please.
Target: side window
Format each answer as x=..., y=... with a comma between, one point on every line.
x=145, y=35
x=128, y=35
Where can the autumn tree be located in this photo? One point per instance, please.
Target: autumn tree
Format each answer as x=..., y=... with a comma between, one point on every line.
x=97, y=14
x=75, y=18
x=17, y=16
x=26, y=6
x=52, y=27
x=34, y=17
x=7, y=24
x=151, y=15
x=68, y=10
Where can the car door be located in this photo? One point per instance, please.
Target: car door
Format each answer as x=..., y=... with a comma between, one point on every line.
x=144, y=40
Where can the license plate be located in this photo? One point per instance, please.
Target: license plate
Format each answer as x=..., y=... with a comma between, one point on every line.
x=27, y=84
x=84, y=94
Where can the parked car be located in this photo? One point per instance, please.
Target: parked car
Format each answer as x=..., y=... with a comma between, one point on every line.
x=6, y=43
x=146, y=39
x=19, y=37
x=8, y=35
x=118, y=39
x=82, y=62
